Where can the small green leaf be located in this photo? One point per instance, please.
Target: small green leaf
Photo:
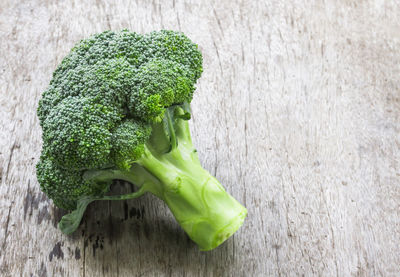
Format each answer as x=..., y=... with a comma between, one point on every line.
x=70, y=222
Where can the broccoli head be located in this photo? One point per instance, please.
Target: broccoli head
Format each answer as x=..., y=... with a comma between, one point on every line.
x=117, y=107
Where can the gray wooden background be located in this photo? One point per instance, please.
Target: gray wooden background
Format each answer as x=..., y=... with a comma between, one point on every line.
x=297, y=114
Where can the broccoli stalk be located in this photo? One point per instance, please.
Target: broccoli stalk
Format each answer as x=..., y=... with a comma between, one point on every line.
x=207, y=213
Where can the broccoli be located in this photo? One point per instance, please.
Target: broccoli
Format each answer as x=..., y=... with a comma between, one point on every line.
x=117, y=107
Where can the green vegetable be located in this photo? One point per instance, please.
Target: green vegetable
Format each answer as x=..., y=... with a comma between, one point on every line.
x=118, y=108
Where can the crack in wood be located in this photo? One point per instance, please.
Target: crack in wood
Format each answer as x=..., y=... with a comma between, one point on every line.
x=13, y=147
x=6, y=227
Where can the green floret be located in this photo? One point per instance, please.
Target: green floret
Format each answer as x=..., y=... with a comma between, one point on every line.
x=65, y=186
x=77, y=133
x=117, y=107
x=108, y=82
x=177, y=47
x=159, y=84
x=128, y=141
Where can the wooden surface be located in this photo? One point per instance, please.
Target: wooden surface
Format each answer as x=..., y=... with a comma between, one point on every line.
x=297, y=114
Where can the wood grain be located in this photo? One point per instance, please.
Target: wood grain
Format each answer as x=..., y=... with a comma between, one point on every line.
x=297, y=114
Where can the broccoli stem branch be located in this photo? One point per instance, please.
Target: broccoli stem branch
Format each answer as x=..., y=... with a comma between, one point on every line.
x=70, y=222
x=136, y=175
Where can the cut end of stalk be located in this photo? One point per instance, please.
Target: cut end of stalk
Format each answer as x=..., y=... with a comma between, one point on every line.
x=227, y=231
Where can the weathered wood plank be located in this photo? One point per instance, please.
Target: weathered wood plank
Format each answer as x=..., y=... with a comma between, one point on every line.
x=297, y=114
